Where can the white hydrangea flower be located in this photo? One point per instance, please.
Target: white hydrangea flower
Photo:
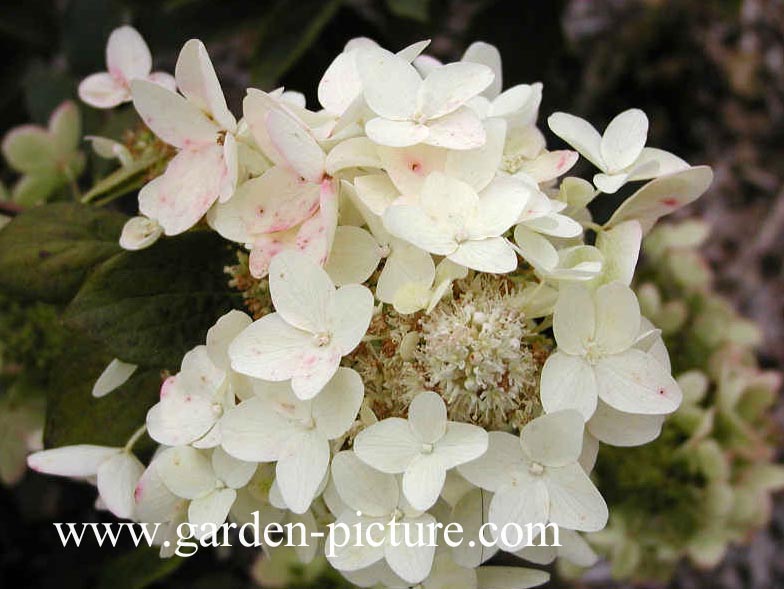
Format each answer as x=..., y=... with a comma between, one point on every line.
x=412, y=110
x=537, y=478
x=597, y=358
x=277, y=426
x=127, y=58
x=313, y=327
x=208, y=479
x=450, y=219
x=198, y=123
x=116, y=471
x=140, y=232
x=194, y=400
x=376, y=496
x=620, y=153
x=423, y=448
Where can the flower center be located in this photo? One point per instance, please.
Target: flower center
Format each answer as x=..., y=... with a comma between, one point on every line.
x=427, y=448
x=536, y=469
x=323, y=339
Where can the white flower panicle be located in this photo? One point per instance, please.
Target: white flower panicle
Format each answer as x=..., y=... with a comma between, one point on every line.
x=414, y=232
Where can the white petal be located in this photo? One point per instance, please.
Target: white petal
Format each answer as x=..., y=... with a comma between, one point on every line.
x=188, y=188
x=412, y=563
x=388, y=446
x=357, y=152
x=574, y=321
x=486, y=54
x=568, y=382
x=412, y=224
x=182, y=415
x=233, y=472
x=127, y=55
x=634, y=382
x=448, y=87
x=477, y=167
x=554, y=439
x=624, y=139
x=522, y=505
x=296, y=145
x=364, y=488
x=196, y=79
x=461, y=129
x=340, y=84
x=653, y=163
x=103, y=91
x=461, y=443
x=82, y=460
x=574, y=501
x=663, y=196
x=139, y=233
x=395, y=133
x=578, y=133
x=171, y=117
x=113, y=377
x=220, y=336
x=356, y=556
x=253, y=431
x=471, y=512
x=549, y=165
x=555, y=225
x=406, y=264
x=576, y=550
x=427, y=417
x=616, y=428
x=211, y=509
x=390, y=83
x=301, y=468
x=186, y=472
x=117, y=478
x=423, y=481
x=376, y=192
x=617, y=318
x=494, y=255
x=610, y=183
x=621, y=249
x=535, y=249
x=500, y=204
x=337, y=405
x=351, y=311
x=153, y=500
x=493, y=469
x=354, y=257
x=301, y=290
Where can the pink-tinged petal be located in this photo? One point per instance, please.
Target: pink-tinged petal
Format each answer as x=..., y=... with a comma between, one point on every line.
x=316, y=235
x=103, y=91
x=228, y=184
x=296, y=145
x=550, y=165
x=188, y=188
x=316, y=368
x=461, y=129
x=164, y=80
x=197, y=80
x=127, y=55
x=266, y=247
x=172, y=118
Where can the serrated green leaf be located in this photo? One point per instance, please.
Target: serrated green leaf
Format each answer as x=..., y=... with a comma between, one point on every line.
x=74, y=416
x=47, y=252
x=150, y=307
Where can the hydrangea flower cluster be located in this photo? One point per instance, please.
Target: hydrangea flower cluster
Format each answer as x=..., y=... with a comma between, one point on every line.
x=418, y=244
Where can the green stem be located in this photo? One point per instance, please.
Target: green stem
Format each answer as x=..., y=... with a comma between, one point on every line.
x=135, y=438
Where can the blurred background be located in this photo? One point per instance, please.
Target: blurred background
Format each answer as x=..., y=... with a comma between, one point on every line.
x=709, y=74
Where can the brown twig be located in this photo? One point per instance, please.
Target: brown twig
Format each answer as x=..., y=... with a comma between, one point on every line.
x=11, y=209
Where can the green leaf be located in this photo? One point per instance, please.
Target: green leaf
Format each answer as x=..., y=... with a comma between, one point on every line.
x=74, y=416
x=136, y=569
x=47, y=252
x=288, y=31
x=123, y=180
x=413, y=9
x=150, y=307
